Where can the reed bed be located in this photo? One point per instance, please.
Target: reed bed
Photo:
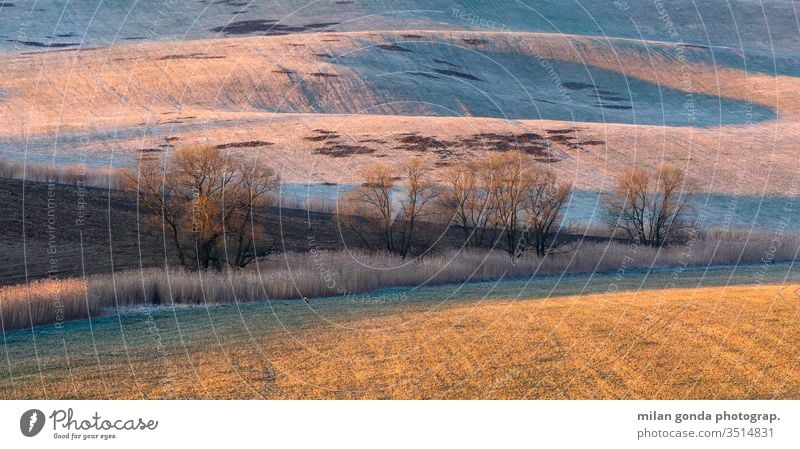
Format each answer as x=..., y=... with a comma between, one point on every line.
x=340, y=273
x=70, y=174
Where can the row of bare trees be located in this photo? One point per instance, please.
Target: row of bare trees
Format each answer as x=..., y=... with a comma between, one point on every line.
x=502, y=200
x=506, y=200
x=212, y=206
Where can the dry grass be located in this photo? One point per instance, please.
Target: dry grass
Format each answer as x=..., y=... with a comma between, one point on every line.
x=707, y=343
x=70, y=174
x=44, y=302
x=105, y=90
x=341, y=273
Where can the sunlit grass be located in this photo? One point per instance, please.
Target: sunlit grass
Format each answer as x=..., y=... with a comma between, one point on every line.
x=511, y=340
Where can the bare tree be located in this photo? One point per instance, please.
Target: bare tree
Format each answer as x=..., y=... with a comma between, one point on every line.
x=245, y=229
x=394, y=211
x=206, y=201
x=507, y=177
x=368, y=209
x=416, y=203
x=168, y=208
x=650, y=206
x=465, y=199
x=544, y=205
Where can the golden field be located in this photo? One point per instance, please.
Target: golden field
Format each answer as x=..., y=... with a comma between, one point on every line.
x=735, y=342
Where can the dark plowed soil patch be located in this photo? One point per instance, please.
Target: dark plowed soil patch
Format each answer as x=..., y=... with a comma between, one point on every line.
x=247, y=144
x=441, y=61
x=578, y=86
x=189, y=56
x=267, y=27
x=43, y=45
x=334, y=148
x=381, y=141
x=411, y=36
x=531, y=143
x=505, y=142
x=608, y=97
x=415, y=142
x=322, y=55
x=593, y=142
x=321, y=138
x=231, y=3
x=285, y=72
x=560, y=138
x=247, y=26
x=344, y=150
x=605, y=92
x=172, y=139
x=324, y=75
x=526, y=137
x=150, y=150
x=457, y=74
x=613, y=106
x=562, y=131
x=423, y=74
x=319, y=25
x=473, y=41
x=392, y=47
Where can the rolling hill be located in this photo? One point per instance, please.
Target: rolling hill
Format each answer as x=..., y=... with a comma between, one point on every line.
x=657, y=337
x=336, y=85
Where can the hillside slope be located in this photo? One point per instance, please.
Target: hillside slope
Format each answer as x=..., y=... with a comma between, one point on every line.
x=320, y=105
x=325, y=88
x=703, y=342
x=34, y=24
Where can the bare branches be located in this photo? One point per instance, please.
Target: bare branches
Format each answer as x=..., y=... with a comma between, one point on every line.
x=544, y=205
x=393, y=210
x=505, y=198
x=206, y=202
x=464, y=198
x=507, y=178
x=650, y=206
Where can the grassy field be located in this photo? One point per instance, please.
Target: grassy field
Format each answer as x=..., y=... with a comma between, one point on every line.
x=319, y=106
x=666, y=334
x=321, y=91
